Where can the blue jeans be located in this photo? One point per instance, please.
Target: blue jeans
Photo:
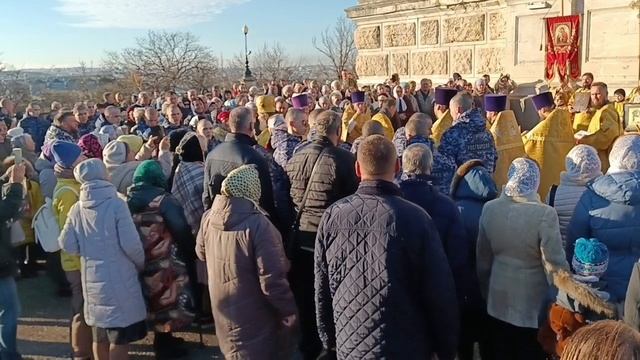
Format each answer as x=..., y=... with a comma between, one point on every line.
x=9, y=312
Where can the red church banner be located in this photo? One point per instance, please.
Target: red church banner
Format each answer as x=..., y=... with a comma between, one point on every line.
x=563, y=41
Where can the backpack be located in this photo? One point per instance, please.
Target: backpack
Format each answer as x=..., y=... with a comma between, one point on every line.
x=45, y=223
x=165, y=281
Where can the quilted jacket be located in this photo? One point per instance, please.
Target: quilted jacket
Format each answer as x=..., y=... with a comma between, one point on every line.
x=465, y=140
x=383, y=285
x=609, y=210
x=334, y=179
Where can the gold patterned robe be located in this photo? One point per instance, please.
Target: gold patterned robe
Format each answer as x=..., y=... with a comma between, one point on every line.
x=506, y=133
x=441, y=126
x=604, y=129
x=349, y=114
x=548, y=144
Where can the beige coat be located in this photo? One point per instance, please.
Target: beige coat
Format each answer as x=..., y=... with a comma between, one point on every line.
x=519, y=248
x=248, y=285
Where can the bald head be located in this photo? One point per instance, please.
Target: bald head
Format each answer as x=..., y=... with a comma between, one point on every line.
x=377, y=159
x=241, y=121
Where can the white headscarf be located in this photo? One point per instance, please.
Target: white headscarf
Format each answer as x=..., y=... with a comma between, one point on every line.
x=582, y=164
x=523, y=178
x=625, y=154
x=400, y=104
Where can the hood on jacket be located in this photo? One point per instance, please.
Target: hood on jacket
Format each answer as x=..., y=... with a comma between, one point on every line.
x=89, y=170
x=95, y=192
x=473, y=181
x=122, y=175
x=564, y=281
x=620, y=187
x=229, y=212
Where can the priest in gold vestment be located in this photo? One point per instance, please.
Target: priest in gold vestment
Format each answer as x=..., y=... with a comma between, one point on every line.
x=441, y=109
x=506, y=133
x=605, y=126
x=549, y=142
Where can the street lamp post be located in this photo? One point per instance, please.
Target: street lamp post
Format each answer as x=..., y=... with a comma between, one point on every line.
x=248, y=77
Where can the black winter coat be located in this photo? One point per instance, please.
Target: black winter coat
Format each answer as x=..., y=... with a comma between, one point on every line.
x=10, y=206
x=335, y=179
x=383, y=286
x=237, y=150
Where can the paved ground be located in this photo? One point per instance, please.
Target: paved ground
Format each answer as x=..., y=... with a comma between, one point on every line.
x=43, y=331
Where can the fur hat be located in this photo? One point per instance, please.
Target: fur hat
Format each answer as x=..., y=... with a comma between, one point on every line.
x=462, y=171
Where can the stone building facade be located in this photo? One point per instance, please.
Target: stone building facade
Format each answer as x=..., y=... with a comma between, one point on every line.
x=434, y=38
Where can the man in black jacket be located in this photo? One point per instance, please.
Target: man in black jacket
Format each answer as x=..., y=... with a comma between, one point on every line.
x=237, y=150
x=10, y=207
x=384, y=289
x=333, y=179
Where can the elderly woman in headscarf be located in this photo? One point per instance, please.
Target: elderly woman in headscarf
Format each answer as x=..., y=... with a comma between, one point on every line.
x=582, y=166
x=609, y=210
x=240, y=243
x=149, y=186
x=519, y=247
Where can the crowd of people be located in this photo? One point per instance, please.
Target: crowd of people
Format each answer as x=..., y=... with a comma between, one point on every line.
x=322, y=221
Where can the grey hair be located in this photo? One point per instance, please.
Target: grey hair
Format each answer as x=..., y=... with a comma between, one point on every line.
x=463, y=100
x=417, y=159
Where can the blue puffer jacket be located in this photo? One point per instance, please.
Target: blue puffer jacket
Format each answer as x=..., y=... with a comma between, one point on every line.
x=383, y=285
x=419, y=190
x=36, y=127
x=609, y=210
x=466, y=140
x=472, y=187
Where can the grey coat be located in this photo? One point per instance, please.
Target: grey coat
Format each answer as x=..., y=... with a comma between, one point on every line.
x=100, y=229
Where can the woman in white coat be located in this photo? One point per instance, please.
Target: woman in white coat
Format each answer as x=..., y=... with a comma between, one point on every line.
x=100, y=229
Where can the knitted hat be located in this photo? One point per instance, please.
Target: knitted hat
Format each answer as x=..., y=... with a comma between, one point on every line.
x=135, y=142
x=88, y=170
x=115, y=153
x=189, y=148
x=523, y=178
x=590, y=257
x=65, y=153
x=243, y=182
x=149, y=172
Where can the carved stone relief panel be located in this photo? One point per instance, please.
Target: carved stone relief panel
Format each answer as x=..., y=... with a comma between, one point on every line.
x=399, y=63
x=368, y=37
x=497, y=26
x=371, y=65
x=429, y=32
x=463, y=29
x=462, y=61
x=429, y=62
x=400, y=34
x=490, y=60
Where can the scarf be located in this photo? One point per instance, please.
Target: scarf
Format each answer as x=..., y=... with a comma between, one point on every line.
x=243, y=182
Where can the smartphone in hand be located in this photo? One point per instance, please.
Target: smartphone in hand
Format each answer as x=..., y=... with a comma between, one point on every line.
x=17, y=155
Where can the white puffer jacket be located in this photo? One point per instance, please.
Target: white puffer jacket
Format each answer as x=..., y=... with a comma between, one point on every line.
x=567, y=196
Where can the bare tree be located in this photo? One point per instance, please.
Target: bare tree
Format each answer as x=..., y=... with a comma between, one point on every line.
x=165, y=60
x=338, y=46
x=272, y=62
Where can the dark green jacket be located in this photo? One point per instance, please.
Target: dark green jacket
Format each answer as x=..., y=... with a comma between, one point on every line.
x=10, y=207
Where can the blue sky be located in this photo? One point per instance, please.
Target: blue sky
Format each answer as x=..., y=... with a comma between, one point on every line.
x=46, y=33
